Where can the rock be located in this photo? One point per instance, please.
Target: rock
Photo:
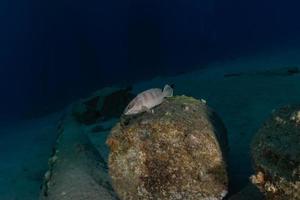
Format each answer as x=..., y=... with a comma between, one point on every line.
x=105, y=103
x=76, y=169
x=276, y=155
x=87, y=111
x=293, y=70
x=232, y=74
x=114, y=103
x=177, y=151
x=284, y=71
x=249, y=192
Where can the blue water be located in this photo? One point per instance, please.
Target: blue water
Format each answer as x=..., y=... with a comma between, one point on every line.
x=55, y=52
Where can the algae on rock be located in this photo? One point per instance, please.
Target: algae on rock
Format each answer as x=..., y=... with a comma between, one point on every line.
x=276, y=155
x=178, y=151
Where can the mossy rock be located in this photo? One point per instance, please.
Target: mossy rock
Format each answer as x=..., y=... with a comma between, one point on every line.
x=276, y=155
x=178, y=151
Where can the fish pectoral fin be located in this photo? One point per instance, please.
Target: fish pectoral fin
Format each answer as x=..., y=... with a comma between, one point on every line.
x=145, y=109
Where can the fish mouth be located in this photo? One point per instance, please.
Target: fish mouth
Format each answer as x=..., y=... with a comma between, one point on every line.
x=128, y=112
x=131, y=112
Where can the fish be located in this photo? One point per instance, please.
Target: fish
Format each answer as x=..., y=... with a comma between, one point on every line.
x=147, y=100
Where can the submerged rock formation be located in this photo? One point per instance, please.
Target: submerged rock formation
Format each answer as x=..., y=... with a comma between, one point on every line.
x=284, y=71
x=105, y=103
x=249, y=192
x=276, y=155
x=175, y=152
x=76, y=169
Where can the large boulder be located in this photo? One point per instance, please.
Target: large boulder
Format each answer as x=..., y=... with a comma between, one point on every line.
x=276, y=155
x=177, y=151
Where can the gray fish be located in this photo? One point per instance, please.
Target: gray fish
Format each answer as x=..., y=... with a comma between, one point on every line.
x=147, y=100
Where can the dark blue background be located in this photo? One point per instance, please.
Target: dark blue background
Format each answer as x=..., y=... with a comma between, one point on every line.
x=52, y=52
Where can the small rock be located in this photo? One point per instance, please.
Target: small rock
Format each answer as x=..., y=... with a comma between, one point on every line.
x=296, y=117
x=47, y=175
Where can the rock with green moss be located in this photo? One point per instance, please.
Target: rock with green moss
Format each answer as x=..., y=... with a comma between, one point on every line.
x=177, y=151
x=276, y=155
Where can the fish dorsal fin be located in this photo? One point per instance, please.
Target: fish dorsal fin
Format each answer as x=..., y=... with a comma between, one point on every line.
x=168, y=91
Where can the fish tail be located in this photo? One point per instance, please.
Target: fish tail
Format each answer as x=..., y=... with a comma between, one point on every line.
x=168, y=91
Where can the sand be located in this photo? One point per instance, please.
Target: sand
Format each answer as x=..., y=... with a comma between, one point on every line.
x=25, y=147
